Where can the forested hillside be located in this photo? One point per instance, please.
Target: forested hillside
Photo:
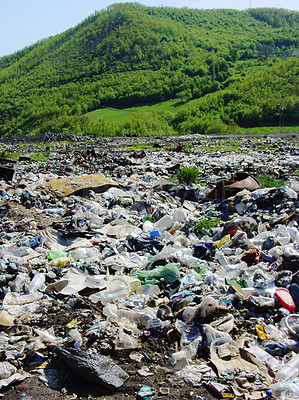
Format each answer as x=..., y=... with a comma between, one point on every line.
x=229, y=68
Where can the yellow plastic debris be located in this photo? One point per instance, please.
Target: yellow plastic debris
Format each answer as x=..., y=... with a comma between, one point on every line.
x=260, y=332
x=60, y=262
x=223, y=241
x=72, y=324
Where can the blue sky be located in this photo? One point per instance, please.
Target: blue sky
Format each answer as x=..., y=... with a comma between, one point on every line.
x=24, y=22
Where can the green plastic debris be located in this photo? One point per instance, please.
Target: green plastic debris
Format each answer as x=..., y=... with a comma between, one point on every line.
x=200, y=268
x=84, y=266
x=240, y=282
x=169, y=273
x=146, y=393
x=53, y=254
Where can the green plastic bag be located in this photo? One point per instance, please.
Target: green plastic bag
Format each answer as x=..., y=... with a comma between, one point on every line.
x=169, y=273
x=53, y=254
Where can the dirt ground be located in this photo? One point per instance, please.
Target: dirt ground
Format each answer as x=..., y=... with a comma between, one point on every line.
x=56, y=381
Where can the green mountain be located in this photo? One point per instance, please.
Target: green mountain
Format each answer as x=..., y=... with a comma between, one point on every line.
x=227, y=67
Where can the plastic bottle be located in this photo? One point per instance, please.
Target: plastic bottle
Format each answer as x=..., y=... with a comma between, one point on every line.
x=76, y=336
x=265, y=357
x=20, y=283
x=238, y=288
x=33, y=242
x=164, y=223
x=37, y=283
x=291, y=192
x=221, y=258
x=282, y=235
x=13, y=299
x=5, y=195
x=4, y=278
x=294, y=233
x=60, y=262
x=284, y=390
x=142, y=318
x=290, y=370
x=57, y=211
x=149, y=289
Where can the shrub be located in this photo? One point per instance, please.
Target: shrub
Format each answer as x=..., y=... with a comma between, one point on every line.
x=203, y=224
x=268, y=181
x=187, y=175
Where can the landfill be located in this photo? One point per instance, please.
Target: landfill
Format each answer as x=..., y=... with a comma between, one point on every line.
x=117, y=281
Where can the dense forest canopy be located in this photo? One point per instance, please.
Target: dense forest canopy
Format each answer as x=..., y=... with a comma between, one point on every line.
x=229, y=67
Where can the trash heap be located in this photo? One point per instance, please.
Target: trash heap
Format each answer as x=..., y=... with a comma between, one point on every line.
x=103, y=258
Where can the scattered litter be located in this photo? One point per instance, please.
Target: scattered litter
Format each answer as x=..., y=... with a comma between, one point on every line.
x=111, y=267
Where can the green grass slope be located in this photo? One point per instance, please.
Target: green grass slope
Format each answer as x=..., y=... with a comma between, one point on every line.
x=130, y=54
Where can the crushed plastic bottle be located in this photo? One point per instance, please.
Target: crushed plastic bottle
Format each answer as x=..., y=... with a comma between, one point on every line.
x=290, y=370
x=33, y=242
x=284, y=390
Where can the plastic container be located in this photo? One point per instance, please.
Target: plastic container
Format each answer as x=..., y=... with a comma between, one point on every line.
x=285, y=299
x=282, y=235
x=292, y=323
x=221, y=258
x=77, y=337
x=284, y=390
x=125, y=280
x=117, y=288
x=155, y=233
x=147, y=226
x=164, y=223
x=220, y=341
x=289, y=371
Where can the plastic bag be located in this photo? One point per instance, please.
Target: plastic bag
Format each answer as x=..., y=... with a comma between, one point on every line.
x=169, y=273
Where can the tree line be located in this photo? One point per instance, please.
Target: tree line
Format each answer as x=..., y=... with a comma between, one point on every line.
x=229, y=67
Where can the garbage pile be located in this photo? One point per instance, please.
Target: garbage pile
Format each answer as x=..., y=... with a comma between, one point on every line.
x=103, y=258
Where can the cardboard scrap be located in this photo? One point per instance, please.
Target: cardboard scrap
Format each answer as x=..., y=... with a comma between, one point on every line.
x=76, y=185
x=6, y=319
x=249, y=183
x=75, y=281
x=119, y=229
x=232, y=364
x=15, y=378
x=227, y=350
x=244, y=361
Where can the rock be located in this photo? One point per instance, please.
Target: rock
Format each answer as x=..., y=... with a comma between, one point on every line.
x=94, y=367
